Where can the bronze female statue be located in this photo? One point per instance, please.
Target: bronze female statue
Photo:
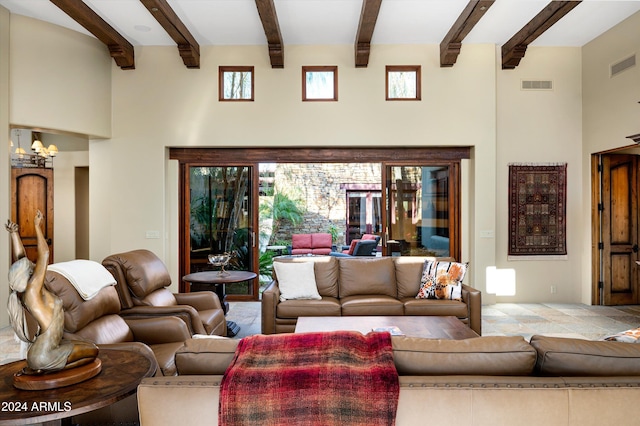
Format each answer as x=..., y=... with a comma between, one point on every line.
x=47, y=352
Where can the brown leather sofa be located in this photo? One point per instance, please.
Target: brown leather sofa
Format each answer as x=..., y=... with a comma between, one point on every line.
x=97, y=321
x=365, y=286
x=481, y=381
x=142, y=281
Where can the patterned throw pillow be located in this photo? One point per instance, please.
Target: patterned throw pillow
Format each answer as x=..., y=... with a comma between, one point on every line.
x=628, y=336
x=442, y=280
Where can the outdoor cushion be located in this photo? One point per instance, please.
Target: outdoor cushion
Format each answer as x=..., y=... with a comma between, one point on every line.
x=352, y=247
x=320, y=240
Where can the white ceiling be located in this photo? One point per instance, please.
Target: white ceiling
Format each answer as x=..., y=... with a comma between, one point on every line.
x=236, y=22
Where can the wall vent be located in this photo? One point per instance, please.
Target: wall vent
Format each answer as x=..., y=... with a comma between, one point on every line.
x=537, y=85
x=623, y=65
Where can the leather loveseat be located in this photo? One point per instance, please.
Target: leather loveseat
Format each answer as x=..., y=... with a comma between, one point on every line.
x=365, y=286
x=492, y=380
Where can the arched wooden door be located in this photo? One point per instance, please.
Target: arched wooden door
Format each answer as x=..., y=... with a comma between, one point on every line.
x=32, y=190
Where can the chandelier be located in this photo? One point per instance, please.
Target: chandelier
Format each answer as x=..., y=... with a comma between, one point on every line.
x=38, y=157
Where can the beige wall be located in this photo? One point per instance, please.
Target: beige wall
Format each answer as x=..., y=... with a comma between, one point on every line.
x=161, y=104
x=5, y=168
x=542, y=127
x=611, y=111
x=64, y=202
x=60, y=79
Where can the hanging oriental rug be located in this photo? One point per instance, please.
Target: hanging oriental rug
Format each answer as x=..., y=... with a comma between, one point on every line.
x=537, y=210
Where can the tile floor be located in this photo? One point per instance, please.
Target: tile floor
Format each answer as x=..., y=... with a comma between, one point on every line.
x=502, y=319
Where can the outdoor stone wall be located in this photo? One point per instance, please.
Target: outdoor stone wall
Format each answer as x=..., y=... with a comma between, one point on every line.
x=318, y=189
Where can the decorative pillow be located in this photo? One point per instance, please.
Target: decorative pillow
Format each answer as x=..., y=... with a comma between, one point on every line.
x=296, y=280
x=442, y=280
x=628, y=336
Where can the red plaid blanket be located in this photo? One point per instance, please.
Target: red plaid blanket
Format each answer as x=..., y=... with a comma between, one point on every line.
x=337, y=378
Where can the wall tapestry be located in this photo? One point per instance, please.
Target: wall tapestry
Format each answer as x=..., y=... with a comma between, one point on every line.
x=537, y=210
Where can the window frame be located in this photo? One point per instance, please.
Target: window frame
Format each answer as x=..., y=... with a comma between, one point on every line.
x=403, y=68
x=235, y=68
x=322, y=68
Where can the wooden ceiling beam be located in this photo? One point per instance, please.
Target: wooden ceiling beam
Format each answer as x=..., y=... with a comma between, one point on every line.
x=368, y=18
x=188, y=47
x=119, y=48
x=269, y=18
x=514, y=49
x=452, y=42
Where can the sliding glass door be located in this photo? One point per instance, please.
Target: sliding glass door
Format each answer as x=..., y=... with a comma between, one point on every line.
x=219, y=212
x=414, y=205
x=422, y=210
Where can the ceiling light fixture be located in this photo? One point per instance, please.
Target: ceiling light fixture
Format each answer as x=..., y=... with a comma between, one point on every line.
x=42, y=157
x=20, y=152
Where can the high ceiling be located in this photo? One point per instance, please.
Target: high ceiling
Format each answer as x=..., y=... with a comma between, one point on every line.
x=279, y=23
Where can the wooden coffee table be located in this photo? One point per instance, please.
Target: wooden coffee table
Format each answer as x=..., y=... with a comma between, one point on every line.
x=412, y=326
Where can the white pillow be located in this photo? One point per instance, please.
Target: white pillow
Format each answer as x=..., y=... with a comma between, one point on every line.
x=296, y=280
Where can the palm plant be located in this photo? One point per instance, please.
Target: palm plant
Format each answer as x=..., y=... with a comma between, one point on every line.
x=280, y=208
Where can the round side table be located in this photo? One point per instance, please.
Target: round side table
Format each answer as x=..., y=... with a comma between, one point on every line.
x=121, y=374
x=218, y=281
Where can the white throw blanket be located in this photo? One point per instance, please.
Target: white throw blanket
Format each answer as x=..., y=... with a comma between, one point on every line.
x=87, y=276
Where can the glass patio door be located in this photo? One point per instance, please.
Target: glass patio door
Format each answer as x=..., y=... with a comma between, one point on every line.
x=220, y=221
x=422, y=217
x=363, y=214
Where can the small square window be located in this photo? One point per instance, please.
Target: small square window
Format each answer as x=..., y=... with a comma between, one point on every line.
x=403, y=83
x=235, y=84
x=320, y=83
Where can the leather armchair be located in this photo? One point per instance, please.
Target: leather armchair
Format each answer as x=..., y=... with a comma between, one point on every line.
x=142, y=281
x=97, y=320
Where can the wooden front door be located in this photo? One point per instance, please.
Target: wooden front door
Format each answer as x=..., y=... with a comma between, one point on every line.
x=619, y=218
x=32, y=190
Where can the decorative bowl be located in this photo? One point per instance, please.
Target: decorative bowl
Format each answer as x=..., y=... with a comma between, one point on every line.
x=220, y=260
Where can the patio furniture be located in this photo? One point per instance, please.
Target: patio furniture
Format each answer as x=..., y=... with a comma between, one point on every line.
x=359, y=248
x=316, y=243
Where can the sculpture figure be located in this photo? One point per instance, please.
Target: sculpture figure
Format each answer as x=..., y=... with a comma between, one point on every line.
x=47, y=352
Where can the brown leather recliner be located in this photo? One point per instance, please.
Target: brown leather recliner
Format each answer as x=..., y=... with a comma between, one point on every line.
x=97, y=320
x=142, y=281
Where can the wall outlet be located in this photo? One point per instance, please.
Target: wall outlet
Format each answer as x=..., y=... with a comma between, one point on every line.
x=152, y=234
x=553, y=289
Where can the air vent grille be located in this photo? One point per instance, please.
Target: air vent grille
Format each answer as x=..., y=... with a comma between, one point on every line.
x=623, y=65
x=537, y=85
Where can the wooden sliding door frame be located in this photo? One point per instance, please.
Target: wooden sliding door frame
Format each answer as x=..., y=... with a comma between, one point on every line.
x=454, y=188
x=235, y=156
x=190, y=157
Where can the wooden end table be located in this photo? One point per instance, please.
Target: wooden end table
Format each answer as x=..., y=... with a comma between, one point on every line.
x=122, y=372
x=218, y=281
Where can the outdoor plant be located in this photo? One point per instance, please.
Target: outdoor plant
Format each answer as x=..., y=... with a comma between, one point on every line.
x=333, y=230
